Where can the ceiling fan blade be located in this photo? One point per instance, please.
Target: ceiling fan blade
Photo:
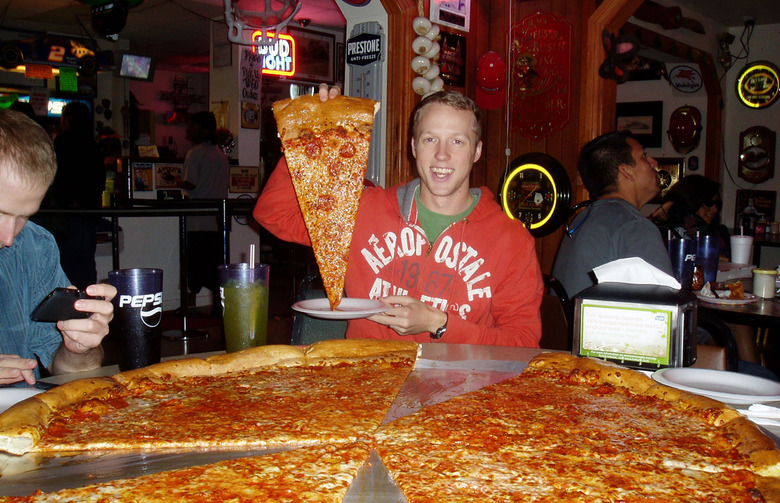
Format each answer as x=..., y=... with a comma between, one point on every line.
x=693, y=25
x=668, y=17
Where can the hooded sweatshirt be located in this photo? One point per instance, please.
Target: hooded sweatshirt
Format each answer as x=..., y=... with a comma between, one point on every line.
x=482, y=270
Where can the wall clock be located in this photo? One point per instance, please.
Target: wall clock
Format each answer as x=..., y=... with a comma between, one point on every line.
x=756, y=154
x=757, y=85
x=536, y=190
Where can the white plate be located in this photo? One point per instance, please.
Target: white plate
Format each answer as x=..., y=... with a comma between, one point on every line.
x=729, y=387
x=349, y=309
x=749, y=297
x=10, y=396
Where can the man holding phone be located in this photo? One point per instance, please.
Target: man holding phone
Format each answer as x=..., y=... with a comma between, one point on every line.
x=30, y=267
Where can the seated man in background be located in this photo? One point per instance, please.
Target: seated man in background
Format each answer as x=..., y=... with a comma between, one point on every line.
x=30, y=266
x=620, y=178
x=473, y=279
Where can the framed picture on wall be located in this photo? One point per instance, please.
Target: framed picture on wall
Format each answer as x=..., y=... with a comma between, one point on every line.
x=643, y=119
x=453, y=13
x=452, y=59
x=315, y=55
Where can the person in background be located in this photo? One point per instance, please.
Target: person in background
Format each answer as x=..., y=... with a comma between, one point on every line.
x=30, y=267
x=79, y=184
x=206, y=176
x=620, y=178
x=474, y=279
x=691, y=207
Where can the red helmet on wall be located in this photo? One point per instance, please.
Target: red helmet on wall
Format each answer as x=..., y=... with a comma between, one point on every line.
x=685, y=128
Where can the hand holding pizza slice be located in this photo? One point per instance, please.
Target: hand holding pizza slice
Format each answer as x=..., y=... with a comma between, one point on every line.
x=326, y=145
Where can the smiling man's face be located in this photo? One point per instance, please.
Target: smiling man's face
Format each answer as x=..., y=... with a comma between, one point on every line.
x=445, y=147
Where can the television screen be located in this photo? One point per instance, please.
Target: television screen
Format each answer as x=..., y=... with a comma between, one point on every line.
x=56, y=105
x=135, y=66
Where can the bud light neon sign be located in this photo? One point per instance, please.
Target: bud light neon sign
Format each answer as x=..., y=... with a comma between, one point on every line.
x=277, y=59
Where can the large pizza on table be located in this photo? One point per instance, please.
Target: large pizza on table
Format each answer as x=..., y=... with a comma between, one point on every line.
x=326, y=147
x=566, y=429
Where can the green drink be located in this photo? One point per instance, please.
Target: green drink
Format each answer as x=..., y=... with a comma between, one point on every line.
x=244, y=305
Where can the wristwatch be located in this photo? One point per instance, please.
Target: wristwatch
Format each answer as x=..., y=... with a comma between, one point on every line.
x=442, y=329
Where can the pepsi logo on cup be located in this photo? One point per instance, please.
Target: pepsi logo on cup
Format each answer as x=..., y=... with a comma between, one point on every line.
x=150, y=307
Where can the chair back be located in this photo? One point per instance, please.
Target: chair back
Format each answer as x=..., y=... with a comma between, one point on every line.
x=723, y=337
x=556, y=316
x=711, y=357
x=308, y=330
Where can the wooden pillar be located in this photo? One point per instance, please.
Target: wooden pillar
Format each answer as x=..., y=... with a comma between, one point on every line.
x=597, y=96
x=401, y=100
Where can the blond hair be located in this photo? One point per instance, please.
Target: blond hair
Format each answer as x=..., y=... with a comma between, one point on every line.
x=26, y=150
x=452, y=99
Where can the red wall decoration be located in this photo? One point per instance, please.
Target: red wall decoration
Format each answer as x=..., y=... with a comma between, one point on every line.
x=540, y=58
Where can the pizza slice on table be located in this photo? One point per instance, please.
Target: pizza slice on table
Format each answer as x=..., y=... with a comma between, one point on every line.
x=320, y=474
x=575, y=429
x=326, y=147
x=266, y=397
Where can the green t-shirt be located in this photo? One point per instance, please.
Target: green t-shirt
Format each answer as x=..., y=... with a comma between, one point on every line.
x=434, y=223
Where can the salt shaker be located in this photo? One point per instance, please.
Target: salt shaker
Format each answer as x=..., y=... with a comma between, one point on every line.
x=764, y=283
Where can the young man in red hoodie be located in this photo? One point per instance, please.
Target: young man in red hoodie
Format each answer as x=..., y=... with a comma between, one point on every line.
x=447, y=259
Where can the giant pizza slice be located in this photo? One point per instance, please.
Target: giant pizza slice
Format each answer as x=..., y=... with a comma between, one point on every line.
x=330, y=392
x=575, y=429
x=326, y=147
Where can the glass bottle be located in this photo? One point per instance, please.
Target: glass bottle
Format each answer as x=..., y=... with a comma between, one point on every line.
x=747, y=220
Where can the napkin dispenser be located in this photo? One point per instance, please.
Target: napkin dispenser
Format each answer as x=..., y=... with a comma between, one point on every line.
x=640, y=326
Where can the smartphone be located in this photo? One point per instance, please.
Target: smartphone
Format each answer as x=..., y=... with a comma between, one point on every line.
x=58, y=305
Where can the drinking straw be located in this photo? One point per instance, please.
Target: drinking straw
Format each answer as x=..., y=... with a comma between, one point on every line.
x=252, y=256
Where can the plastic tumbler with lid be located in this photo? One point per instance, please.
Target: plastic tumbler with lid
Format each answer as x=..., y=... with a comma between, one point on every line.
x=243, y=292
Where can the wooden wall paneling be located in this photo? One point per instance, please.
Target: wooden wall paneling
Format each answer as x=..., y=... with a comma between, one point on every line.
x=490, y=35
x=401, y=100
x=480, y=39
x=562, y=144
x=714, y=120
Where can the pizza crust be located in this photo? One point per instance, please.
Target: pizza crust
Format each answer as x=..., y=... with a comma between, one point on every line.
x=247, y=359
x=78, y=391
x=22, y=425
x=294, y=116
x=252, y=358
x=353, y=350
x=608, y=372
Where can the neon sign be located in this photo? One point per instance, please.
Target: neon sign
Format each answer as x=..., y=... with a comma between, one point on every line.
x=277, y=59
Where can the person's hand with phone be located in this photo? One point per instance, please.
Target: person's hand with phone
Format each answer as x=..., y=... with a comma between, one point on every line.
x=81, y=338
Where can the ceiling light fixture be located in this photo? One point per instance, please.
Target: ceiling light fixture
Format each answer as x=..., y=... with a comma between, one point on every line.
x=258, y=15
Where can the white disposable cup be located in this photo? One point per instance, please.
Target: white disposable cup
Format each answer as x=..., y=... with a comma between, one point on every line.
x=740, y=249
